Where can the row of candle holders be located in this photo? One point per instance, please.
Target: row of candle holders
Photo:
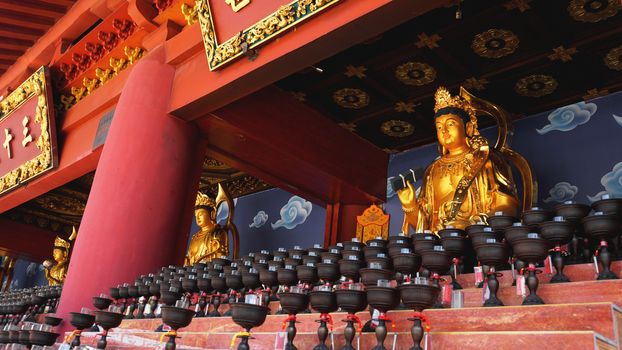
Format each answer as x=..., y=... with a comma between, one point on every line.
x=20, y=305
x=30, y=335
x=292, y=276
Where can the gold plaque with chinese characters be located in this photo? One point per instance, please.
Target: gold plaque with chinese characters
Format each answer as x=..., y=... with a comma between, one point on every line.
x=27, y=132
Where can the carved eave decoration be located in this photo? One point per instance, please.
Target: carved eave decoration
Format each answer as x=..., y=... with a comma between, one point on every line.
x=286, y=17
x=36, y=86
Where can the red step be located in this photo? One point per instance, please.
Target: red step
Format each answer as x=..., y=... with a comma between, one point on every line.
x=576, y=273
x=517, y=340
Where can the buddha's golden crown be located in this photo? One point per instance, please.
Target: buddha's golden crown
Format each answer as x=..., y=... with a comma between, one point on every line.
x=444, y=99
x=61, y=243
x=204, y=200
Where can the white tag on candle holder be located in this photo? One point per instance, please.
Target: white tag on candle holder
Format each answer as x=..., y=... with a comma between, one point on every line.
x=548, y=265
x=426, y=337
x=479, y=276
x=485, y=292
x=595, y=260
x=374, y=318
x=520, y=285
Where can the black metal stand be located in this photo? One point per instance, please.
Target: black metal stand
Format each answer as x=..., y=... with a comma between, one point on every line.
x=558, y=262
x=532, y=284
x=493, y=287
x=604, y=257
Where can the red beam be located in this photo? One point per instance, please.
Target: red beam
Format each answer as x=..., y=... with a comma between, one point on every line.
x=26, y=241
x=15, y=17
x=20, y=32
x=33, y=8
x=272, y=135
x=12, y=43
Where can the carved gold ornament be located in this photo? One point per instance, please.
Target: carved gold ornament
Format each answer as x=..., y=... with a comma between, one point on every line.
x=415, y=73
x=102, y=76
x=237, y=5
x=474, y=83
x=190, y=13
x=593, y=11
x=397, y=128
x=286, y=17
x=35, y=87
x=351, y=98
x=536, y=85
x=495, y=43
x=613, y=60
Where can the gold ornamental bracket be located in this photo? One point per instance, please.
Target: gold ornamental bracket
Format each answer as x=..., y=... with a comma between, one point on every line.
x=266, y=29
x=374, y=222
x=27, y=132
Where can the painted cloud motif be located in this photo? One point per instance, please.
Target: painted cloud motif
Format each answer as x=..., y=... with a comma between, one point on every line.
x=259, y=220
x=617, y=119
x=223, y=211
x=612, y=182
x=569, y=117
x=390, y=192
x=294, y=213
x=561, y=192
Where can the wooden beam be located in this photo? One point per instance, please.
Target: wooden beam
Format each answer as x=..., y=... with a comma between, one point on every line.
x=12, y=43
x=20, y=32
x=19, y=18
x=29, y=7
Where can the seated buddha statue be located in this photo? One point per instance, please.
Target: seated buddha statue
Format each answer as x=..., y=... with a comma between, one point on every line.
x=212, y=239
x=468, y=181
x=55, y=272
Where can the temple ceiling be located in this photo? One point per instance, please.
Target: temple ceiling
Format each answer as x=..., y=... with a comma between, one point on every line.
x=526, y=56
x=23, y=22
x=62, y=208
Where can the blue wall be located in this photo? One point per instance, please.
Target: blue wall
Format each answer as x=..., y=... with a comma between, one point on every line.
x=275, y=218
x=27, y=274
x=575, y=152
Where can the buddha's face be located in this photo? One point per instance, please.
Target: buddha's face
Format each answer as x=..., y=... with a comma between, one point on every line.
x=202, y=217
x=450, y=131
x=59, y=254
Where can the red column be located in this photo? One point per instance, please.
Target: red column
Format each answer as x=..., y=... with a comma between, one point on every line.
x=136, y=219
x=341, y=222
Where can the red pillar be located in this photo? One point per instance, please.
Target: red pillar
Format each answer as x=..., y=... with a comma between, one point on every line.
x=136, y=219
x=341, y=222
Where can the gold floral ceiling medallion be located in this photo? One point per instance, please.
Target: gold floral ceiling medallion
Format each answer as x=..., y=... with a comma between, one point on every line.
x=592, y=11
x=613, y=60
x=351, y=98
x=415, y=73
x=536, y=85
x=397, y=128
x=495, y=43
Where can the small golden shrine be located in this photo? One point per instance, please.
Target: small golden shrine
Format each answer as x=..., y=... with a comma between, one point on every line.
x=372, y=223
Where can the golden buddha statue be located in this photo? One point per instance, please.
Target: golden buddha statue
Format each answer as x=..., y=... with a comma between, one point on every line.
x=212, y=240
x=55, y=272
x=469, y=181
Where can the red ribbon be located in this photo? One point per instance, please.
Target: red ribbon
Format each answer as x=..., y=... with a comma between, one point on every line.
x=531, y=267
x=424, y=320
x=327, y=318
x=384, y=317
x=289, y=318
x=353, y=317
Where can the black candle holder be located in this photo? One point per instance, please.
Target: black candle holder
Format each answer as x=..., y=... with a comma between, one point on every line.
x=418, y=297
x=176, y=318
x=532, y=250
x=558, y=232
x=324, y=301
x=382, y=299
x=248, y=316
x=351, y=301
x=603, y=227
x=81, y=321
x=107, y=320
x=455, y=242
x=292, y=304
x=492, y=254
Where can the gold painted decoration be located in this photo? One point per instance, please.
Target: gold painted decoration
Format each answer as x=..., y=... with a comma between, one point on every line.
x=613, y=59
x=190, y=13
x=406, y=107
x=415, y=73
x=592, y=11
x=495, y=43
x=429, y=41
x=521, y=5
x=237, y=5
x=397, y=128
x=372, y=223
x=563, y=54
x=594, y=93
x=351, y=98
x=355, y=71
x=473, y=83
x=17, y=110
x=348, y=126
x=285, y=18
x=536, y=85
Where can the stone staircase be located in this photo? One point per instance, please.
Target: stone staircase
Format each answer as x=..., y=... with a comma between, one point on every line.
x=583, y=314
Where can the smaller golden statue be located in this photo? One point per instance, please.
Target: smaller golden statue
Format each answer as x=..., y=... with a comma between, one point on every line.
x=372, y=223
x=55, y=272
x=212, y=240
